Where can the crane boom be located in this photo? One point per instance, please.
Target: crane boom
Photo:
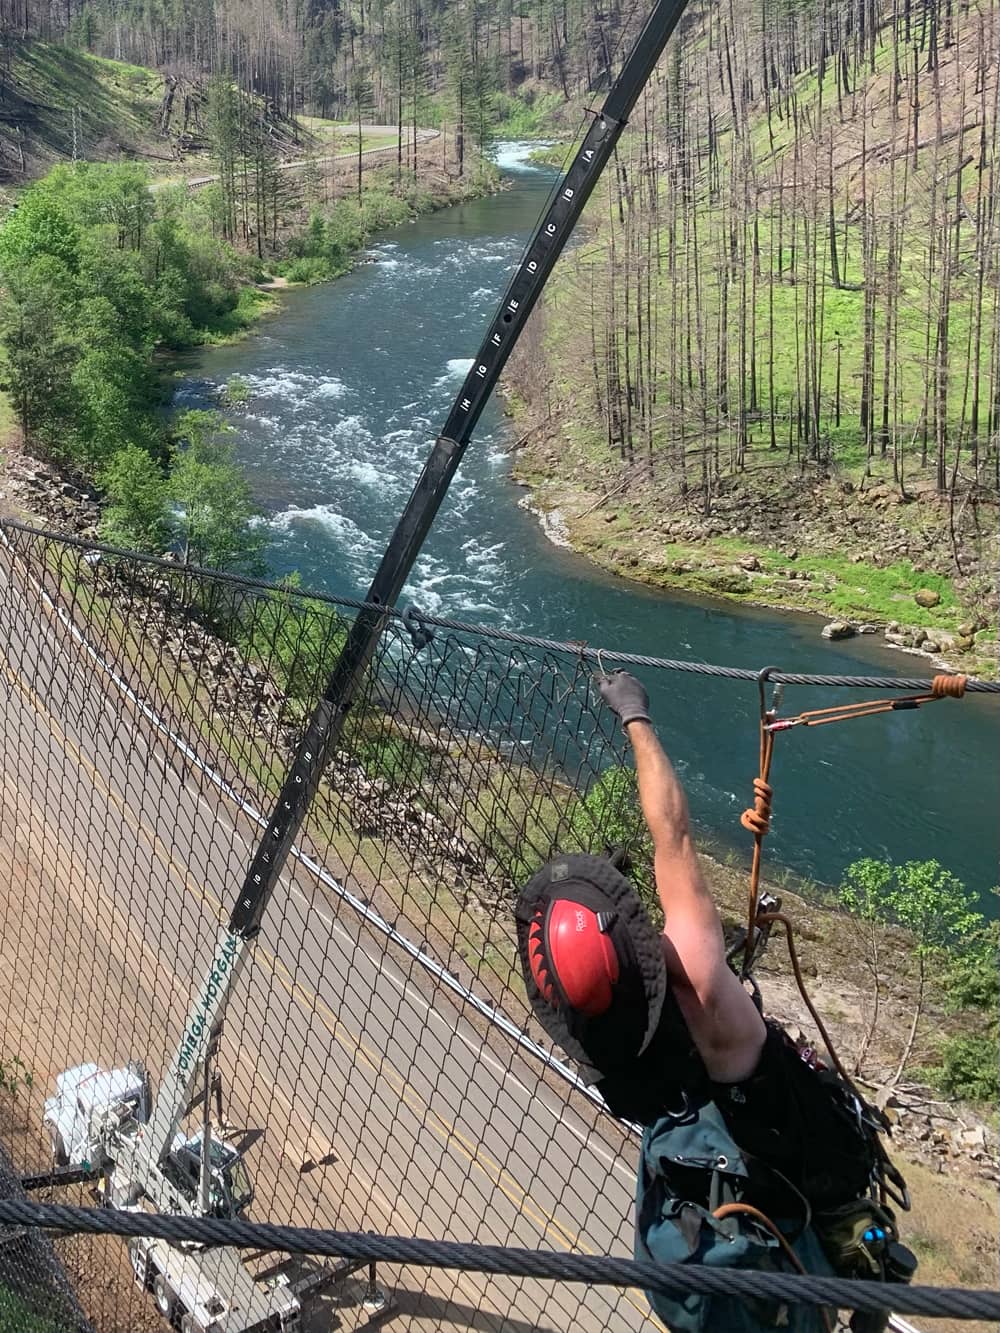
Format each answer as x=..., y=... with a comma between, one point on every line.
x=186, y=1070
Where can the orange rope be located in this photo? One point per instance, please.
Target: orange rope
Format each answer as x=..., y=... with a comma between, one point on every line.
x=758, y=820
x=730, y=1209
x=950, y=687
x=942, y=687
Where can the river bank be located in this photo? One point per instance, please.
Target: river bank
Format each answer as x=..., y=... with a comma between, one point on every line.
x=855, y=553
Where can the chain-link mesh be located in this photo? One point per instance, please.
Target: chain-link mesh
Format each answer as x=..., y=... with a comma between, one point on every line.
x=148, y=717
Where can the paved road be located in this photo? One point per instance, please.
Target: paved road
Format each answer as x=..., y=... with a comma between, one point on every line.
x=417, y=1123
x=390, y=131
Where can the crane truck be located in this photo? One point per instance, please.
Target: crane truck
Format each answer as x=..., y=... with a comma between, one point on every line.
x=105, y=1124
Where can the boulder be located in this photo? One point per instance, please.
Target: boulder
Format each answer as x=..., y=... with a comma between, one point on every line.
x=750, y=563
x=838, y=629
x=720, y=580
x=926, y=597
x=973, y=1138
x=962, y=644
x=931, y=646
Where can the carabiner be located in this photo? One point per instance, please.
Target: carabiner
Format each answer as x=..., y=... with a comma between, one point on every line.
x=763, y=677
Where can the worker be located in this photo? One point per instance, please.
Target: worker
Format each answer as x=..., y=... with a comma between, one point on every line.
x=753, y=1154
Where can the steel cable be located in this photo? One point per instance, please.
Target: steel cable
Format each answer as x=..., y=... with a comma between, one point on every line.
x=840, y=1293
x=413, y=616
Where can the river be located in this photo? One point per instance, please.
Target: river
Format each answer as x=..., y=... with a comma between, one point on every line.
x=349, y=384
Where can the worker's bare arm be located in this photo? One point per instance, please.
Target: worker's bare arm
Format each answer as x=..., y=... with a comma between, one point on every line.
x=720, y=1015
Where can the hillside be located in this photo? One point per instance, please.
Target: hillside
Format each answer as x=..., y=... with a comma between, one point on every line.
x=782, y=331
x=58, y=103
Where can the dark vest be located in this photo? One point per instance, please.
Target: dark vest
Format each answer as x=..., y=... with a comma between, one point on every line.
x=668, y=1077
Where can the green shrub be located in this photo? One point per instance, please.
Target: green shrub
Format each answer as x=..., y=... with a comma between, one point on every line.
x=396, y=760
x=14, y=1074
x=968, y=1067
x=296, y=639
x=309, y=268
x=608, y=817
x=524, y=115
x=136, y=512
x=237, y=391
x=609, y=814
x=972, y=973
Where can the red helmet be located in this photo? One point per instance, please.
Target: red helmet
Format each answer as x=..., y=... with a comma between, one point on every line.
x=592, y=962
x=572, y=957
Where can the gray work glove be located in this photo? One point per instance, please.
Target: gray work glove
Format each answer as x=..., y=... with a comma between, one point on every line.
x=625, y=696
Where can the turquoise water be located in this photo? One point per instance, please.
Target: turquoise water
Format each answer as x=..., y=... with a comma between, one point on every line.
x=349, y=384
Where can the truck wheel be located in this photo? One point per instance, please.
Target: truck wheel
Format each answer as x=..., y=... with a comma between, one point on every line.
x=59, y=1155
x=163, y=1298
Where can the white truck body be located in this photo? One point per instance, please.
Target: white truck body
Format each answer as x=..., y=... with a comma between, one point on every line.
x=103, y=1120
x=210, y=1291
x=93, y=1105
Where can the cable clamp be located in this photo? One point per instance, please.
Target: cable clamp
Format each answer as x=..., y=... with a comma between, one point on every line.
x=421, y=634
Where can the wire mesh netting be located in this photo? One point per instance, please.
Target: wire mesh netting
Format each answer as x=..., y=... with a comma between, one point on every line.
x=375, y=1062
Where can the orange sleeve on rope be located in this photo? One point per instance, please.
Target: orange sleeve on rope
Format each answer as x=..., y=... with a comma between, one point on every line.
x=758, y=818
x=951, y=687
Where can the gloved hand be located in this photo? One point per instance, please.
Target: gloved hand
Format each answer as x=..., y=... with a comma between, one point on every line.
x=625, y=696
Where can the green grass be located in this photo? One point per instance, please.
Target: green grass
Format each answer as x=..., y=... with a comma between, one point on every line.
x=552, y=155
x=322, y=127
x=840, y=323
x=861, y=591
x=251, y=305
x=806, y=87
x=842, y=314
x=838, y=588
x=519, y=116
x=17, y=1316
x=8, y=418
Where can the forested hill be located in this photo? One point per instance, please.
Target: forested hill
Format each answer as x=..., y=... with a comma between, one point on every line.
x=783, y=328
x=422, y=60
x=783, y=331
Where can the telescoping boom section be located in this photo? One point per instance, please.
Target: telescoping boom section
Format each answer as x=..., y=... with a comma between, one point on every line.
x=140, y=1160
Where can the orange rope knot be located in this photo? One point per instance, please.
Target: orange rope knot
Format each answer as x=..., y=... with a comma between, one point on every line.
x=758, y=819
x=951, y=687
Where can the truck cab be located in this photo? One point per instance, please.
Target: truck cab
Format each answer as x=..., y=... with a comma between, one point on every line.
x=89, y=1105
x=230, y=1188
